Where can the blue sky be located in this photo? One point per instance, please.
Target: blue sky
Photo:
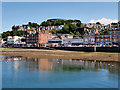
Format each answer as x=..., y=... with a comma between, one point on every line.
x=23, y=12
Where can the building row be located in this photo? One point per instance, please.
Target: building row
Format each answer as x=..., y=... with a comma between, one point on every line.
x=43, y=38
x=39, y=36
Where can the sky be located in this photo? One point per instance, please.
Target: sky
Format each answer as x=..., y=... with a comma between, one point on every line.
x=18, y=13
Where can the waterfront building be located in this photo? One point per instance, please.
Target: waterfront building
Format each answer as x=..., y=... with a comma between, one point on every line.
x=43, y=37
x=66, y=42
x=31, y=38
x=112, y=38
x=72, y=42
x=102, y=40
x=37, y=38
x=55, y=42
x=15, y=41
x=89, y=36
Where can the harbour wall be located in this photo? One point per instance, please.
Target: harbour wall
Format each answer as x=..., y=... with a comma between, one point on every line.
x=86, y=49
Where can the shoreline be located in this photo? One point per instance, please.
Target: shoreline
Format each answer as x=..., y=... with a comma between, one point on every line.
x=60, y=54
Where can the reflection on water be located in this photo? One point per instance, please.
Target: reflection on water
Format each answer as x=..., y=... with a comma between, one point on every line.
x=26, y=72
x=60, y=65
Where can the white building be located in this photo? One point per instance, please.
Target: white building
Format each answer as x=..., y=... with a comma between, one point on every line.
x=66, y=42
x=72, y=42
x=15, y=40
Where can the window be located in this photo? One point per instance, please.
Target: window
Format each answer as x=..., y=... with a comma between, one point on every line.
x=114, y=36
x=101, y=40
x=89, y=38
x=110, y=36
x=86, y=40
x=114, y=40
x=110, y=28
x=106, y=40
x=110, y=32
x=114, y=32
x=110, y=40
x=92, y=40
x=98, y=40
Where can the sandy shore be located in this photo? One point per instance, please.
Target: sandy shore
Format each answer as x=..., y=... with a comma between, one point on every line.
x=61, y=54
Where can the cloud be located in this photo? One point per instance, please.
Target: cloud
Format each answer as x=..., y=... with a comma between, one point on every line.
x=104, y=21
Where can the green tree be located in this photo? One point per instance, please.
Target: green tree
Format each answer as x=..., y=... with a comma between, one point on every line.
x=98, y=23
x=13, y=33
x=104, y=32
x=68, y=21
x=78, y=24
x=114, y=23
x=77, y=21
x=53, y=31
x=5, y=34
x=72, y=27
x=92, y=27
x=65, y=28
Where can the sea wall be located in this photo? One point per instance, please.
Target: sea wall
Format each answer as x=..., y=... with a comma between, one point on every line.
x=91, y=49
x=86, y=49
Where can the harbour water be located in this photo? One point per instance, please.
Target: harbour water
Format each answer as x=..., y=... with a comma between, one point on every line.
x=26, y=72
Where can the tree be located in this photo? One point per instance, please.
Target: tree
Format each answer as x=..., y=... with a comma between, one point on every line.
x=59, y=22
x=78, y=24
x=53, y=31
x=5, y=34
x=34, y=25
x=77, y=21
x=113, y=23
x=105, y=31
x=68, y=21
x=43, y=24
x=65, y=28
x=98, y=23
x=29, y=23
x=80, y=30
x=14, y=33
x=92, y=27
x=72, y=27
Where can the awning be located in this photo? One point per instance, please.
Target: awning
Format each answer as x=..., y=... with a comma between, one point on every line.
x=115, y=42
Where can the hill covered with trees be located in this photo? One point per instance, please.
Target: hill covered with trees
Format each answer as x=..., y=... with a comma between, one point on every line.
x=69, y=27
x=13, y=33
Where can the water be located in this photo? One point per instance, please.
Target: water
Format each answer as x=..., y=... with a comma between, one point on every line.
x=20, y=72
